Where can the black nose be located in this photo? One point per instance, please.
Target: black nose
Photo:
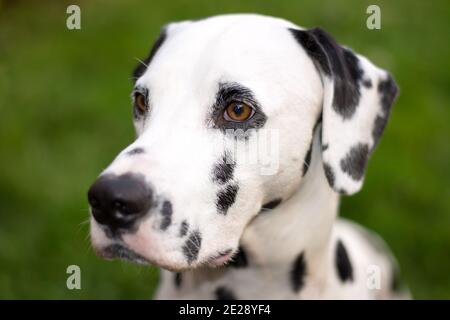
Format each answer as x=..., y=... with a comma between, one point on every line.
x=118, y=201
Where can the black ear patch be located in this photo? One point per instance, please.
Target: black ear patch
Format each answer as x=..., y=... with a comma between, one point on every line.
x=354, y=163
x=343, y=265
x=388, y=91
x=192, y=246
x=309, y=42
x=367, y=83
x=142, y=66
x=336, y=62
x=298, y=273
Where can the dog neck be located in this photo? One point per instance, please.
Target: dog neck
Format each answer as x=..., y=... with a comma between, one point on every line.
x=300, y=224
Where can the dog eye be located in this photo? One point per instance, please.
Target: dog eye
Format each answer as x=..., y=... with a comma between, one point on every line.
x=140, y=103
x=238, y=112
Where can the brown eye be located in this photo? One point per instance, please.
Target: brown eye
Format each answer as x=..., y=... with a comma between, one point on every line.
x=238, y=112
x=140, y=103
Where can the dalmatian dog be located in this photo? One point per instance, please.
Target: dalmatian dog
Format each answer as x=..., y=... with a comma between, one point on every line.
x=179, y=198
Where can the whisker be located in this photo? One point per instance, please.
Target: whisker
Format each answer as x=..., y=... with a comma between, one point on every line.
x=84, y=222
x=142, y=62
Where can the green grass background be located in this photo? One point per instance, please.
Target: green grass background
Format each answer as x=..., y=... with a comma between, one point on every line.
x=65, y=113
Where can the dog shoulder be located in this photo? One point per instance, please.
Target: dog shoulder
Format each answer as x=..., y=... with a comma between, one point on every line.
x=364, y=262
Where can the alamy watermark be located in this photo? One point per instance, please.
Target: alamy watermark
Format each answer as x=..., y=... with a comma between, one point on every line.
x=73, y=281
x=373, y=281
x=253, y=147
x=373, y=22
x=73, y=21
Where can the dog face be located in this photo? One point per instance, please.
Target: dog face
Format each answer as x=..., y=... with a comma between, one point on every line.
x=211, y=94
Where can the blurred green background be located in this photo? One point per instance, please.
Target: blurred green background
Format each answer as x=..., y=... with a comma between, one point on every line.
x=65, y=113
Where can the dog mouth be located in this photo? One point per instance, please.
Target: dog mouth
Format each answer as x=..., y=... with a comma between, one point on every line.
x=122, y=252
x=221, y=258
x=119, y=251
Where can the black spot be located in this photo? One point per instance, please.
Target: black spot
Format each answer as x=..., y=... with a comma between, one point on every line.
x=355, y=161
x=325, y=147
x=223, y=170
x=166, y=212
x=184, y=227
x=178, y=277
x=307, y=160
x=271, y=204
x=135, y=151
x=367, y=83
x=378, y=128
x=343, y=265
x=388, y=91
x=226, y=198
x=298, y=273
x=223, y=293
x=239, y=260
x=329, y=174
x=142, y=67
x=336, y=61
x=192, y=246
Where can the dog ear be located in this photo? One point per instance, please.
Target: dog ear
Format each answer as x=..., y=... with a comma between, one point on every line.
x=167, y=29
x=356, y=106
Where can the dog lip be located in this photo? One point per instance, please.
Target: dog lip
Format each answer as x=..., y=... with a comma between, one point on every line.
x=221, y=258
x=120, y=251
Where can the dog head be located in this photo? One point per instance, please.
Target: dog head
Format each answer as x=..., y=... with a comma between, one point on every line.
x=211, y=94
